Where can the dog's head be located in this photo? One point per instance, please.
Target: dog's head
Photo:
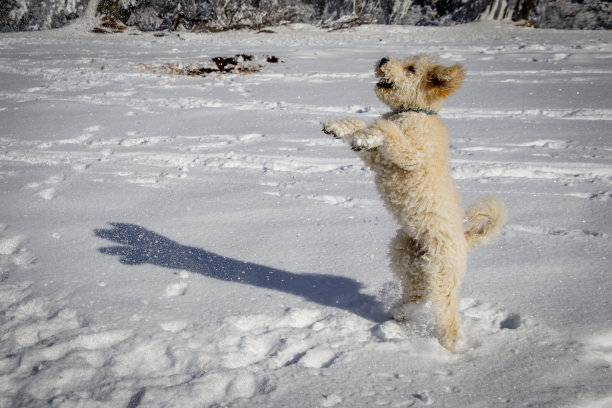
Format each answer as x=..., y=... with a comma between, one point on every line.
x=418, y=82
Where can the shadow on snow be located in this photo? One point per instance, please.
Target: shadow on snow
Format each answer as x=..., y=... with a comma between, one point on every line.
x=140, y=246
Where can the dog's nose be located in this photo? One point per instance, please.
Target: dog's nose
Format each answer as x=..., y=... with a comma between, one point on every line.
x=383, y=62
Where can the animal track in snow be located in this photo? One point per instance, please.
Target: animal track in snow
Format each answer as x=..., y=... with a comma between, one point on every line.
x=330, y=400
x=300, y=336
x=512, y=322
x=86, y=138
x=481, y=316
x=423, y=397
x=10, y=245
x=318, y=357
x=208, y=142
x=513, y=229
x=544, y=143
x=176, y=289
x=41, y=338
x=600, y=347
x=333, y=200
x=552, y=144
x=561, y=114
x=605, y=402
x=602, y=196
x=184, y=361
x=47, y=189
x=341, y=201
x=174, y=326
x=564, y=172
x=13, y=252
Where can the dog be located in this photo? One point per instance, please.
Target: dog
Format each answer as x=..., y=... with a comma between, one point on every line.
x=408, y=150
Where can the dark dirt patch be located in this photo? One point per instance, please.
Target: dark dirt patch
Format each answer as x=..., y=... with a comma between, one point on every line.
x=237, y=64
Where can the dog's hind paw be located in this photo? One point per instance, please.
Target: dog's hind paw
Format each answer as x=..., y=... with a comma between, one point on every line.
x=402, y=311
x=453, y=344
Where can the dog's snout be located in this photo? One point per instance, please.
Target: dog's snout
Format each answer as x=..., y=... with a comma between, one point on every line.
x=383, y=62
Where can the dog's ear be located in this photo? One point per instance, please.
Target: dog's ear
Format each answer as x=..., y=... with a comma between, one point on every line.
x=443, y=81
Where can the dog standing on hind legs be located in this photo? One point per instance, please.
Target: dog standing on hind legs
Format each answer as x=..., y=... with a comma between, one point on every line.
x=408, y=150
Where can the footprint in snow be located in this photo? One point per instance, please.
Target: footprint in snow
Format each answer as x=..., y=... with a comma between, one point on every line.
x=600, y=347
x=514, y=230
x=330, y=400
x=319, y=357
x=512, y=322
x=423, y=398
x=174, y=326
x=47, y=189
x=13, y=253
x=176, y=289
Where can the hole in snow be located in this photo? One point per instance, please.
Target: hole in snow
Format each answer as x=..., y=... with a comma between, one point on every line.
x=511, y=322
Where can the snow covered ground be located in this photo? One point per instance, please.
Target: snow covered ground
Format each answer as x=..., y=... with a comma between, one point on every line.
x=192, y=242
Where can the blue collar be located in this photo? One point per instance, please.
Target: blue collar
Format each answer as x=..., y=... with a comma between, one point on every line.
x=416, y=110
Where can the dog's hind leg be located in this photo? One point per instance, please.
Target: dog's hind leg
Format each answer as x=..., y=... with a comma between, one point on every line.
x=407, y=264
x=445, y=272
x=446, y=303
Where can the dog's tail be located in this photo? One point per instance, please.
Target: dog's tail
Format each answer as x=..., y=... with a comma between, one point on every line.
x=484, y=220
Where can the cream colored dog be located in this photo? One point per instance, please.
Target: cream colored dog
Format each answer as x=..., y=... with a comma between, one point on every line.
x=408, y=151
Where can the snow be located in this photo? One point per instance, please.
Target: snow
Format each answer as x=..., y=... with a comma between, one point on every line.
x=186, y=241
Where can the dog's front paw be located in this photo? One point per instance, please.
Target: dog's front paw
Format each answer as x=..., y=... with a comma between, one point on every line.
x=358, y=145
x=362, y=140
x=343, y=128
x=334, y=127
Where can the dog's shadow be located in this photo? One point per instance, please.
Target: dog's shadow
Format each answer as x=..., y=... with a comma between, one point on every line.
x=138, y=246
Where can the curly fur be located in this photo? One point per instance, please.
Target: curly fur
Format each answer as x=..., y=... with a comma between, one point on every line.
x=407, y=149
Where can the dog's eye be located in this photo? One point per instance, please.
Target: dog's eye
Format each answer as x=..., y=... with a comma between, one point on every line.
x=410, y=69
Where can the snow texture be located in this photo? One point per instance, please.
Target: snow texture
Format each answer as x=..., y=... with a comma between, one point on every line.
x=175, y=241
